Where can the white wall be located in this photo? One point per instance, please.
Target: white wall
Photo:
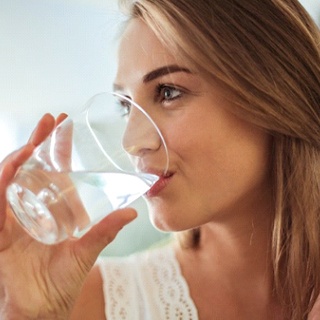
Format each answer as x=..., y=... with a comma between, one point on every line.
x=313, y=7
x=53, y=54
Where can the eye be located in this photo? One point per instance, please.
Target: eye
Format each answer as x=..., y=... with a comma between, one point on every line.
x=168, y=93
x=124, y=107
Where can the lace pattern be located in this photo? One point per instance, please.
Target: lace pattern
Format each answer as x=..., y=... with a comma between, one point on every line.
x=119, y=300
x=146, y=286
x=173, y=293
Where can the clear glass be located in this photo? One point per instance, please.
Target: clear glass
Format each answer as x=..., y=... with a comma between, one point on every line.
x=102, y=160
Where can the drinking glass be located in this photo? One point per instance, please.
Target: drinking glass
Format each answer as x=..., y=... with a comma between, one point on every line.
x=101, y=160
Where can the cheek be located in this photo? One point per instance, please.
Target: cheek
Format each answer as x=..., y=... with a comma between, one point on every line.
x=221, y=163
x=226, y=167
x=185, y=135
x=241, y=170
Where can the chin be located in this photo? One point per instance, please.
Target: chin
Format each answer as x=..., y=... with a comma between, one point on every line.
x=167, y=221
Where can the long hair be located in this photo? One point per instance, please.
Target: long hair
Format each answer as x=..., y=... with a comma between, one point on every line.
x=267, y=54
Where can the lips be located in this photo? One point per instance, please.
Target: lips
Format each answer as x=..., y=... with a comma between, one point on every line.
x=159, y=185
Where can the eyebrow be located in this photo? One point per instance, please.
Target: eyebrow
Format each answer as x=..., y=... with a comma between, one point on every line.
x=162, y=71
x=159, y=72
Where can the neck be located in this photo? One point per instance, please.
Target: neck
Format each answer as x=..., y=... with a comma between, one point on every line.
x=236, y=248
x=240, y=237
x=240, y=247
x=234, y=257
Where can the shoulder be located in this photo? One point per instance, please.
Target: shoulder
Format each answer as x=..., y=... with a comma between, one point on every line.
x=315, y=312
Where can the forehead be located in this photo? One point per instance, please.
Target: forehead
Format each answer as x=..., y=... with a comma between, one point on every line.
x=139, y=52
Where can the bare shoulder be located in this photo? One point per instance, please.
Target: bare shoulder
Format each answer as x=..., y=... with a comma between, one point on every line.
x=315, y=312
x=90, y=304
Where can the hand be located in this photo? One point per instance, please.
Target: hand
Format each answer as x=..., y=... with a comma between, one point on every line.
x=39, y=281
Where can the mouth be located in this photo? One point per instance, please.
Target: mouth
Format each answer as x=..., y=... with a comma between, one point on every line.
x=161, y=184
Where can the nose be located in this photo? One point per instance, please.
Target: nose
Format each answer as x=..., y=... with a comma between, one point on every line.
x=141, y=136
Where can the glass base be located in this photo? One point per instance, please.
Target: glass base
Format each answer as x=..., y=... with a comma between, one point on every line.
x=33, y=214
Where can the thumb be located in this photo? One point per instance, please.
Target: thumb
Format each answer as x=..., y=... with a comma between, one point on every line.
x=99, y=236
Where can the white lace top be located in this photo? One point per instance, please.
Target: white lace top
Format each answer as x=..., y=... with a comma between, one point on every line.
x=146, y=286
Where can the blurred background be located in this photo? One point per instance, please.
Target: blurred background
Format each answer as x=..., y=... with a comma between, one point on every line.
x=55, y=55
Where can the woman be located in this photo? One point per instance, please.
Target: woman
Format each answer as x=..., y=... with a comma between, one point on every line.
x=235, y=88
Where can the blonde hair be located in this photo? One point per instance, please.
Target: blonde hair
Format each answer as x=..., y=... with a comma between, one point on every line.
x=267, y=54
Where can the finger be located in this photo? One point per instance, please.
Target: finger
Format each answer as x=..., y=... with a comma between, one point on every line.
x=100, y=235
x=63, y=144
x=14, y=157
x=42, y=130
x=12, y=162
x=7, y=171
x=61, y=117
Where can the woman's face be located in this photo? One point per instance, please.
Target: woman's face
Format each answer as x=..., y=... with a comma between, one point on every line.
x=219, y=164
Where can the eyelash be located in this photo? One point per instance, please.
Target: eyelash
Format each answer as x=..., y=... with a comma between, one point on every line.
x=160, y=92
x=124, y=105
